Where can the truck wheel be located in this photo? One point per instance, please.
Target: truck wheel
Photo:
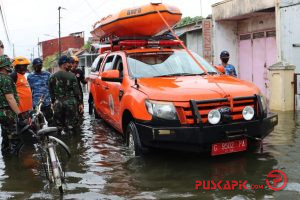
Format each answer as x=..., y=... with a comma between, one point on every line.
x=133, y=141
x=91, y=110
x=91, y=104
x=96, y=114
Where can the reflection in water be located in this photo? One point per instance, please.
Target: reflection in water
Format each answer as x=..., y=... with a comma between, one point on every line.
x=102, y=168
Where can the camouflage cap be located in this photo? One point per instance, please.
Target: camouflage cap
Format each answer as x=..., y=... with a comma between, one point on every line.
x=4, y=61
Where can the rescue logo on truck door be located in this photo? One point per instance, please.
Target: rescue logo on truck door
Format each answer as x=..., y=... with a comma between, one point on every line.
x=111, y=105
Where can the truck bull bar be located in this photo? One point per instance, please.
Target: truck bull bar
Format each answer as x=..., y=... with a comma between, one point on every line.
x=259, y=112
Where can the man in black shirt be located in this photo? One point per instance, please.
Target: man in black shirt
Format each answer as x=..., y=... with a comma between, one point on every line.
x=79, y=75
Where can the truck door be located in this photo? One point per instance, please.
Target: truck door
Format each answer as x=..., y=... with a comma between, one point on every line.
x=103, y=89
x=95, y=68
x=115, y=93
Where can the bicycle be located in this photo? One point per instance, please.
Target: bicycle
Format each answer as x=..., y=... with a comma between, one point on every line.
x=36, y=136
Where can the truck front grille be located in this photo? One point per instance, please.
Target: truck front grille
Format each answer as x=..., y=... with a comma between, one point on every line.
x=187, y=111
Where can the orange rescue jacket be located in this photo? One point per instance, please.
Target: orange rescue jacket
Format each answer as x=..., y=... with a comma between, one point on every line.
x=24, y=93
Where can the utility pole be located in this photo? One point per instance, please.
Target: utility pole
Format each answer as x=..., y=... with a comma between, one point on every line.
x=14, y=53
x=39, y=47
x=201, y=8
x=59, y=42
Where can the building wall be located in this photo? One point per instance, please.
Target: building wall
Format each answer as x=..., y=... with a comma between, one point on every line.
x=257, y=23
x=225, y=38
x=230, y=9
x=50, y=47
x=194, y=42
x=290, y=32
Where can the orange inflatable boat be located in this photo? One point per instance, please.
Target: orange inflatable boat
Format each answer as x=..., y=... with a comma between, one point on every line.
x=138, y=21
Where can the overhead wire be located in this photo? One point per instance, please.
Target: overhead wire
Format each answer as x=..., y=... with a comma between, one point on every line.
x=101, y=5
x=89, y=5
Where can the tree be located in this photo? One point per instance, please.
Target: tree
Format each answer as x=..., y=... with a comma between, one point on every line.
x=87, y=46
x=50, y=62
x=188, y=20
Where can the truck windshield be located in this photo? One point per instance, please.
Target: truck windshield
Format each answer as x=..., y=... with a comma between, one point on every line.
x=168, y=64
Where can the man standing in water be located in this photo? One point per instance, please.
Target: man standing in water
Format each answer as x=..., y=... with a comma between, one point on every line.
x=79, y=75
x=38, y=81
x=65, y=96
x=23, y=89
x=229, y=69
x=8, y=108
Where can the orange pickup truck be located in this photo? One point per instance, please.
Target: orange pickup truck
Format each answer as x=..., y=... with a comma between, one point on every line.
x=158, y=97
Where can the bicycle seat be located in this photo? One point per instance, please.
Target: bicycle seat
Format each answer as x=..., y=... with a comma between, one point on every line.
x=47, y=131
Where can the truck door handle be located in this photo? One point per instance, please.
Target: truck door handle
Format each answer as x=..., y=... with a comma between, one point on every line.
x=105, y=87
x=121, y=93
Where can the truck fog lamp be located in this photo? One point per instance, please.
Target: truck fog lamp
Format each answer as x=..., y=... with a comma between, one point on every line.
x=248, y=113
x=214, y=116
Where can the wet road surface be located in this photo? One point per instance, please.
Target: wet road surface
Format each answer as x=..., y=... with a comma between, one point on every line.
x=102, y=168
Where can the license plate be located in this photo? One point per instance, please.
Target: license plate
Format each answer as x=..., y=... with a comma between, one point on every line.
x=229, y=147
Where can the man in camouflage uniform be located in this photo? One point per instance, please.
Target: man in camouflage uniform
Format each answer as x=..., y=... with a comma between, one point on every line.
x=8, y=108
x=65, y=96
x=38, y=81
x=1, y=48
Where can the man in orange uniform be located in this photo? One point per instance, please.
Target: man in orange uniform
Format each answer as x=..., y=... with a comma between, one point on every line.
x=23, y=89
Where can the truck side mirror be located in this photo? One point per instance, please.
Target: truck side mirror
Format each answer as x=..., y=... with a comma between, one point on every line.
x=220, y=68
x=111, y=76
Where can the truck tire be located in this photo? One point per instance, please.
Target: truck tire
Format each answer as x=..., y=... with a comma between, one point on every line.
x=91, y=104
x=133, y=140
x=97, y=116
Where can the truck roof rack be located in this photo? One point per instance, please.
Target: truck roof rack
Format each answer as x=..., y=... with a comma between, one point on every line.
x=122, y=43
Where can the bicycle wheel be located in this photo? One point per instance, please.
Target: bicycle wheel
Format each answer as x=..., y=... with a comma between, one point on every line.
x=36, y=157
x=61, y=144
x=56, y=167
x=62, y=151
x=29, y=156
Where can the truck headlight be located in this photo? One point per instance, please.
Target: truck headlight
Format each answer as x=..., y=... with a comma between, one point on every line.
x=214, y=116
x=163, y=110
x=248, y=113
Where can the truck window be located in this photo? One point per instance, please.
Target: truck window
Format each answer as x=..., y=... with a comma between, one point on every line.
x=97, y=63
x=108, y=63
x=118, y=65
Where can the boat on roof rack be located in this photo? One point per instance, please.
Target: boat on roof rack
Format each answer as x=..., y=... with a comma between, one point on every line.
x=143, y=21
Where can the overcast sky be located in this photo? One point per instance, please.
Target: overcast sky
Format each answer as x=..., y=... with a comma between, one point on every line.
x=31, y=20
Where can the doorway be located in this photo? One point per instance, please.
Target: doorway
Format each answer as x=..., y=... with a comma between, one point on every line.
x=257, y=52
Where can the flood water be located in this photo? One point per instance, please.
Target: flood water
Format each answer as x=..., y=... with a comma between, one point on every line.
x=102, y=168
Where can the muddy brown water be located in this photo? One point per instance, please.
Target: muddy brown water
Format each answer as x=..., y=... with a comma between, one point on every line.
x=102, y=168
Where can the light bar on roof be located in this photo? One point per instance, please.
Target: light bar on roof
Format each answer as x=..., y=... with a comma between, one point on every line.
x=150, y=43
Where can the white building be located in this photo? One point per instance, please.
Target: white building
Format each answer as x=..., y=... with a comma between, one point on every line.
x=259, y=34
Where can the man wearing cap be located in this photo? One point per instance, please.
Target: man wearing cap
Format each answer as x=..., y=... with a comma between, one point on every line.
x=8, y=108
x=38, y=81
x=1, y=48
x=229, y=69
x=23, y=89
x=79, y=75
x=65, y=96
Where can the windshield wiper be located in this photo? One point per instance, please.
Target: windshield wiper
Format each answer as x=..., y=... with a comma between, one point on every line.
x=177, y=74
x=208, y=73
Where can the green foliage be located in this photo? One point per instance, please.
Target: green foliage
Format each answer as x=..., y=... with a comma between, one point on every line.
x=50, y=62
x=87, y=46
x=188, y=20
